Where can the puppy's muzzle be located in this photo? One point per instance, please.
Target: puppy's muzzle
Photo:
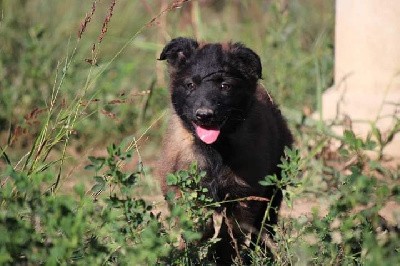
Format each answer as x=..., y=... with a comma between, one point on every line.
x=204, y=115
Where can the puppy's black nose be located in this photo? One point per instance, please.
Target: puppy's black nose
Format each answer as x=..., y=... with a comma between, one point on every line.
x=204, y=114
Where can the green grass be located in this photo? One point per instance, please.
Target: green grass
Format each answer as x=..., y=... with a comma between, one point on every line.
x=69, y=195
x=36, y=46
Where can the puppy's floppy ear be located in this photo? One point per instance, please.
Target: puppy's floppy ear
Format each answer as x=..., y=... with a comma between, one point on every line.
x=178, y=50
x=246, y=61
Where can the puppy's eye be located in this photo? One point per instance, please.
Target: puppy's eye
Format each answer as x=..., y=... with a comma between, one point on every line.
x=225, y=86
x=190, y=86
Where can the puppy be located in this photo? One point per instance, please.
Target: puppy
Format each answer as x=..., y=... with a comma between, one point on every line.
x=227, y=123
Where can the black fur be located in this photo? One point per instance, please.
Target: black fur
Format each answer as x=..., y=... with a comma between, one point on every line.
x=215, y=86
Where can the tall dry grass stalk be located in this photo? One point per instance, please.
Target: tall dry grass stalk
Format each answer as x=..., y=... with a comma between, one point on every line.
x=61, y=119
x=106, y=21
x=86, y=20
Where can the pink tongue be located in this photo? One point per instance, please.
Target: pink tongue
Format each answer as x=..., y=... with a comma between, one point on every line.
x=207, y=135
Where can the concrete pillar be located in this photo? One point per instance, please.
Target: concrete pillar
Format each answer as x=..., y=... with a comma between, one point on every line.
x=367, y=66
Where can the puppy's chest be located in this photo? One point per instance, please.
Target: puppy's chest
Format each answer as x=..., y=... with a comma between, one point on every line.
x=227, y=175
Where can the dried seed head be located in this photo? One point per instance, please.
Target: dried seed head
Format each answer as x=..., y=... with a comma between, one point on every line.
x=106, y=21
x=87, y=19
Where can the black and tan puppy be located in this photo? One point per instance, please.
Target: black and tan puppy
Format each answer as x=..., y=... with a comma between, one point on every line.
x=228, y=124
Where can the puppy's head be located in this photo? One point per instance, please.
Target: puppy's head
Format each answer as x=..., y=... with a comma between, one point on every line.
x=212, y=85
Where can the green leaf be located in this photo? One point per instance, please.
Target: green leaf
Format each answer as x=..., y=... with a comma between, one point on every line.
x=193, y=195
x=4, y=256
x=171, y=179
x=96, y=160
x=98, y=187
x=349, y=136
x=370, y=145
x=344, y=152
x=80, y=190
x=183, y=175
x=269, y=181
x=99, y=179
x=90, y=167
x=377, y=133
x=266, y=183
x=170, y=197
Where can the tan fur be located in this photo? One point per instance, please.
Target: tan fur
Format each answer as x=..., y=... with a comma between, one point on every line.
x=201, y=45
x=177, y=152
x=226, y=46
